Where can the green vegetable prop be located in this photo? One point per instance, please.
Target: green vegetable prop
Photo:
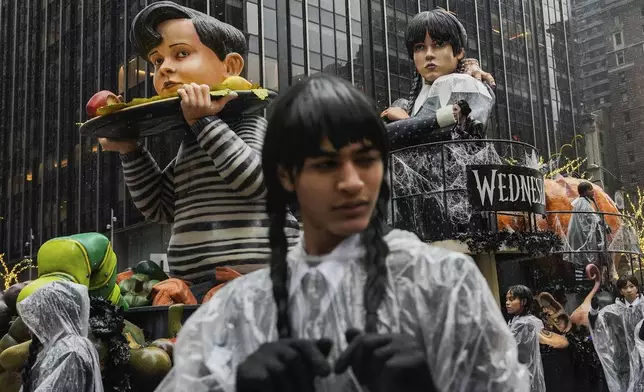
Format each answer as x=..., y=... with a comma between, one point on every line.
x=136, y=290
x=151, y=269
x=86, y=259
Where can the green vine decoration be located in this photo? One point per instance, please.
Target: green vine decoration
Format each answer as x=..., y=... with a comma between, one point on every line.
x=535, y=244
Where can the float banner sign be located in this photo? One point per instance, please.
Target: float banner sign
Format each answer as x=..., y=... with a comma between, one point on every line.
x=506, y=188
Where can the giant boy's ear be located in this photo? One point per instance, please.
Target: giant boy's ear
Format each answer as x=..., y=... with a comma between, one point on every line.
x=461, y=54
x=286, y=179
x=234, y=64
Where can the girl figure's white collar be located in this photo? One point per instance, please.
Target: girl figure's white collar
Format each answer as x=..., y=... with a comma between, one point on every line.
x=332, y=265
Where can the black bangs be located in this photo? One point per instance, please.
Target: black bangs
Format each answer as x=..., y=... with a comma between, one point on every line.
x=316, y=108
x=321, y=107
x=441, y=26
x=220, y=37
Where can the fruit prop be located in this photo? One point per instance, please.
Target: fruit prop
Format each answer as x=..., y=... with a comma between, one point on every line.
x=151, y=269
x=99, y=100
x=137, y=289
x=86, y=259
x=11, y=296
x=151, y=364
x=18, y=333
x=106, y=102
x=172, y=291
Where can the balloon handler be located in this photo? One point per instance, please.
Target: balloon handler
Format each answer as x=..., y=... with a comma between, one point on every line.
x=213, y=192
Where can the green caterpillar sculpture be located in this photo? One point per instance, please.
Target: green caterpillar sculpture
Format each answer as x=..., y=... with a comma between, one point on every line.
x=86, y=259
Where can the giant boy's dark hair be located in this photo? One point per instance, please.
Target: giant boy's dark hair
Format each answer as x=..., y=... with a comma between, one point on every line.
x=220, y=37
x=441, y=26
x=316, y=108
x=34, y=348
x=523, y=294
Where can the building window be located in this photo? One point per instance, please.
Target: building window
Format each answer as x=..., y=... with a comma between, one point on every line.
x=624, y=97
x=629, y=136
x=618, y=39
x=622, y=78
x=620, y=57
x=601, y=139
x=627, y=117
x=602, y=100
x=634, y=178
x=617, y=20
x=631, y=157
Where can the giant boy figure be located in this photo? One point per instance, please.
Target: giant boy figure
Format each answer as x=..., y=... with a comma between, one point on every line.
x=213, y=191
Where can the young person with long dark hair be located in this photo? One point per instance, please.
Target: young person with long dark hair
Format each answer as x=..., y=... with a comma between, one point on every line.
x=353, y=303
x=526, y=329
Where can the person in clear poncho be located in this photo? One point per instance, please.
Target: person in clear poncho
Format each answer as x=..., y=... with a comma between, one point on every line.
x=615, y=331
x=586, y=229
x=353, y=306
x=526, y=329
x=58, y=317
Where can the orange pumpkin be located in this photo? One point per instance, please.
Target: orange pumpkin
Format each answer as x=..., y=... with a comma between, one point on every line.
x=560, y=193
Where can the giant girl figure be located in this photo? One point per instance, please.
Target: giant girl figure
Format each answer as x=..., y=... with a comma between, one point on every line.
x=445, y=103
x=436, y=42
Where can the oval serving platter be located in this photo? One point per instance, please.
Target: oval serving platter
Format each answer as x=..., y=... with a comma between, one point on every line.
x=164, y=115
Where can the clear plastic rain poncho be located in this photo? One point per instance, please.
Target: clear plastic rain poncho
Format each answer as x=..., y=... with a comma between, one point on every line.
x=614, y=334
x=526, y=331
x=437, y=295
x=585, y=232
x=58, y=315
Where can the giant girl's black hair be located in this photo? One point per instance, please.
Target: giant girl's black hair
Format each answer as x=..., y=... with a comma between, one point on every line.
x=524, y=294
x=441, y=26
x=220, y=37
x=316, y=108
x=34, y=348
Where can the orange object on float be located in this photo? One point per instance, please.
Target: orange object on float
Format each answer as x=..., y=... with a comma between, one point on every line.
x=172, y=291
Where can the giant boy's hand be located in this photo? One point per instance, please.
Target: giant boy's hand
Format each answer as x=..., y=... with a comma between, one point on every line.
x=196, y=102
x=385, y=363
x=123, y=146
x=289, y=365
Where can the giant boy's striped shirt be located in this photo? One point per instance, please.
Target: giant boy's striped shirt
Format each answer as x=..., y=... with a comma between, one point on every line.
x=213, y=192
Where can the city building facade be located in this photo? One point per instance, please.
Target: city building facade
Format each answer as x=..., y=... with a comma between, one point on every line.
x=57, y=53
x=609, y=44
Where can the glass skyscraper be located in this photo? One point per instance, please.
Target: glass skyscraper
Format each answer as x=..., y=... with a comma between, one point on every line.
x=57, y=53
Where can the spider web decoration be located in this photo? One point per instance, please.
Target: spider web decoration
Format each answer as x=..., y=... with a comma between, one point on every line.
x=429, y=182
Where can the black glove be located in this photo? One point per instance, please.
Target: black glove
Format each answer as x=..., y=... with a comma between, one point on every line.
x=386, y=363
x=289, y=365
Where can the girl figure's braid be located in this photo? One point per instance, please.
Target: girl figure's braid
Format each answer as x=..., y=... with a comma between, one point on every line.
x=416, y=86
x=34, y=348
x=279, y=270
x=375, y=262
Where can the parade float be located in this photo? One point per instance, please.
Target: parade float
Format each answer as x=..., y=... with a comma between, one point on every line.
x=511, y=210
